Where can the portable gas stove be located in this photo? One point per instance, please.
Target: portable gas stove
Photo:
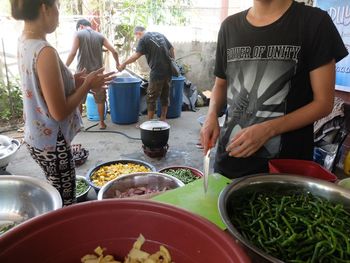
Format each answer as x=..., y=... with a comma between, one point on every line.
x=155, y=152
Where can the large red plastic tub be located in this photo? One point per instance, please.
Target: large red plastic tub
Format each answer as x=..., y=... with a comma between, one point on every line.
x=67, y=234
x=301, y=167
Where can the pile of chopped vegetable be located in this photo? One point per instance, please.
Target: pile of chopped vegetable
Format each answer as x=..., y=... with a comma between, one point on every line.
x=183, y=174
x=136, y=255
x=107, y=173
x=294, y=228
x=81, y=186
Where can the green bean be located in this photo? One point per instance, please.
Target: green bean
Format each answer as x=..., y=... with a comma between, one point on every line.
x=81, y=186
x=346, y=239
x=263, y=229
x=185, y=175
x=295, y=227
x=317, y=249
x=289, y=240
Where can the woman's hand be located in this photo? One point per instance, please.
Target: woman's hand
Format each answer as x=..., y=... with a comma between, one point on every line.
x=209, y=132
x=97, y=80
x=249, y=140
x=79, y=78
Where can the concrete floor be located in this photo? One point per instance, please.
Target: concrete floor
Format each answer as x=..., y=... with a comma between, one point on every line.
x=106, y=146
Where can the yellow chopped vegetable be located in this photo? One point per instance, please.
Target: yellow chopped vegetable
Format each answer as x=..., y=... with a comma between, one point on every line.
x=109, y=172
x=136, y=255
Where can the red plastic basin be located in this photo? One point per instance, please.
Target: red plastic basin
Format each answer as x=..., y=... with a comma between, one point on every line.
x=67, y=234
x=301, y=167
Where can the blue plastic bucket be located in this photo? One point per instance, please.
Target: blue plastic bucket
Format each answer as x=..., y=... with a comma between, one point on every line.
x=176, y=97
x=91, y=108
x=124, y=100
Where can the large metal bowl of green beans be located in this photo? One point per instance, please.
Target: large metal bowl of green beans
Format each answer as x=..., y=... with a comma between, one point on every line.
x=288, y=218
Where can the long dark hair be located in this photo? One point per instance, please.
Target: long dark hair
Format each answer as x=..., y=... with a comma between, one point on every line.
x=28, y=9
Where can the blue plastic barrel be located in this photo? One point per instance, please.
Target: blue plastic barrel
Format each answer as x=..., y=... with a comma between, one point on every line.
x=176, y=97
x=124, y=100
x=91, y=108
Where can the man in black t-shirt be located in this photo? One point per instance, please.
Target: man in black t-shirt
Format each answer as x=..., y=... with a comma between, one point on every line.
x=275, y=69
x=158, y=52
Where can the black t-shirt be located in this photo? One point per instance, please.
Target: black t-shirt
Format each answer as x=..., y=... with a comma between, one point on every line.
x=155, y=47
x=267, y=71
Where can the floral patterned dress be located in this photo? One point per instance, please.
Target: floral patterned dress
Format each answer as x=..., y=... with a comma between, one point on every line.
x=40, y=130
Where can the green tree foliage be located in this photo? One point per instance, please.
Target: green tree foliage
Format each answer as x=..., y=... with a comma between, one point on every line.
x=122, y=16
x=131, y=13
x=11, y=105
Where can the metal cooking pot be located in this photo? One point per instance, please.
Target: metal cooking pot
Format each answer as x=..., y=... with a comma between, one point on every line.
x=151, y=180
x=155, y=134
x=273, y=183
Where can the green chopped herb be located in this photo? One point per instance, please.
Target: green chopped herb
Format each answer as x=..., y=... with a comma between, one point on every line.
x=81, y=186
x=185, y=175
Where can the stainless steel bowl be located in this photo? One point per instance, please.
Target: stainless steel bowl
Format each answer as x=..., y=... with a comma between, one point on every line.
x=279, y=183
x=8, y=148
x=121, y=161
x=83, y=196
x=152, y=180
x=24, y=197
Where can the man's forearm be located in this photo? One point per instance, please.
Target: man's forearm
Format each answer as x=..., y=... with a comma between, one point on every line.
x=130, y=60
x=297, y=119
x=70, y=59
x=116, y=57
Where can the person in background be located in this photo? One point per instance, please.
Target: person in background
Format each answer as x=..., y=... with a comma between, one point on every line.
x=275, y=68
x=158, y=51
x=50, y=100
x=89, y=44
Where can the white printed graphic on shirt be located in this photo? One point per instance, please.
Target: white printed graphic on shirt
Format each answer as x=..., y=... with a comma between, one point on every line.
x=258, y=81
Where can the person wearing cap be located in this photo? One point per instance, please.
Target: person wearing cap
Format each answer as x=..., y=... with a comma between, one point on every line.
x=89, y=44
x=158, y=51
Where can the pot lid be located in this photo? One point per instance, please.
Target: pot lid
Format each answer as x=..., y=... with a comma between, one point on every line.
x=155, y=125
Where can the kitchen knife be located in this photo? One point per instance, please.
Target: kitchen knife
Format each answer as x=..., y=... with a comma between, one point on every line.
x=206, y=170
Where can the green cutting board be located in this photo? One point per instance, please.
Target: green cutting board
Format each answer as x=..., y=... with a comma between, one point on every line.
x=191, y=197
